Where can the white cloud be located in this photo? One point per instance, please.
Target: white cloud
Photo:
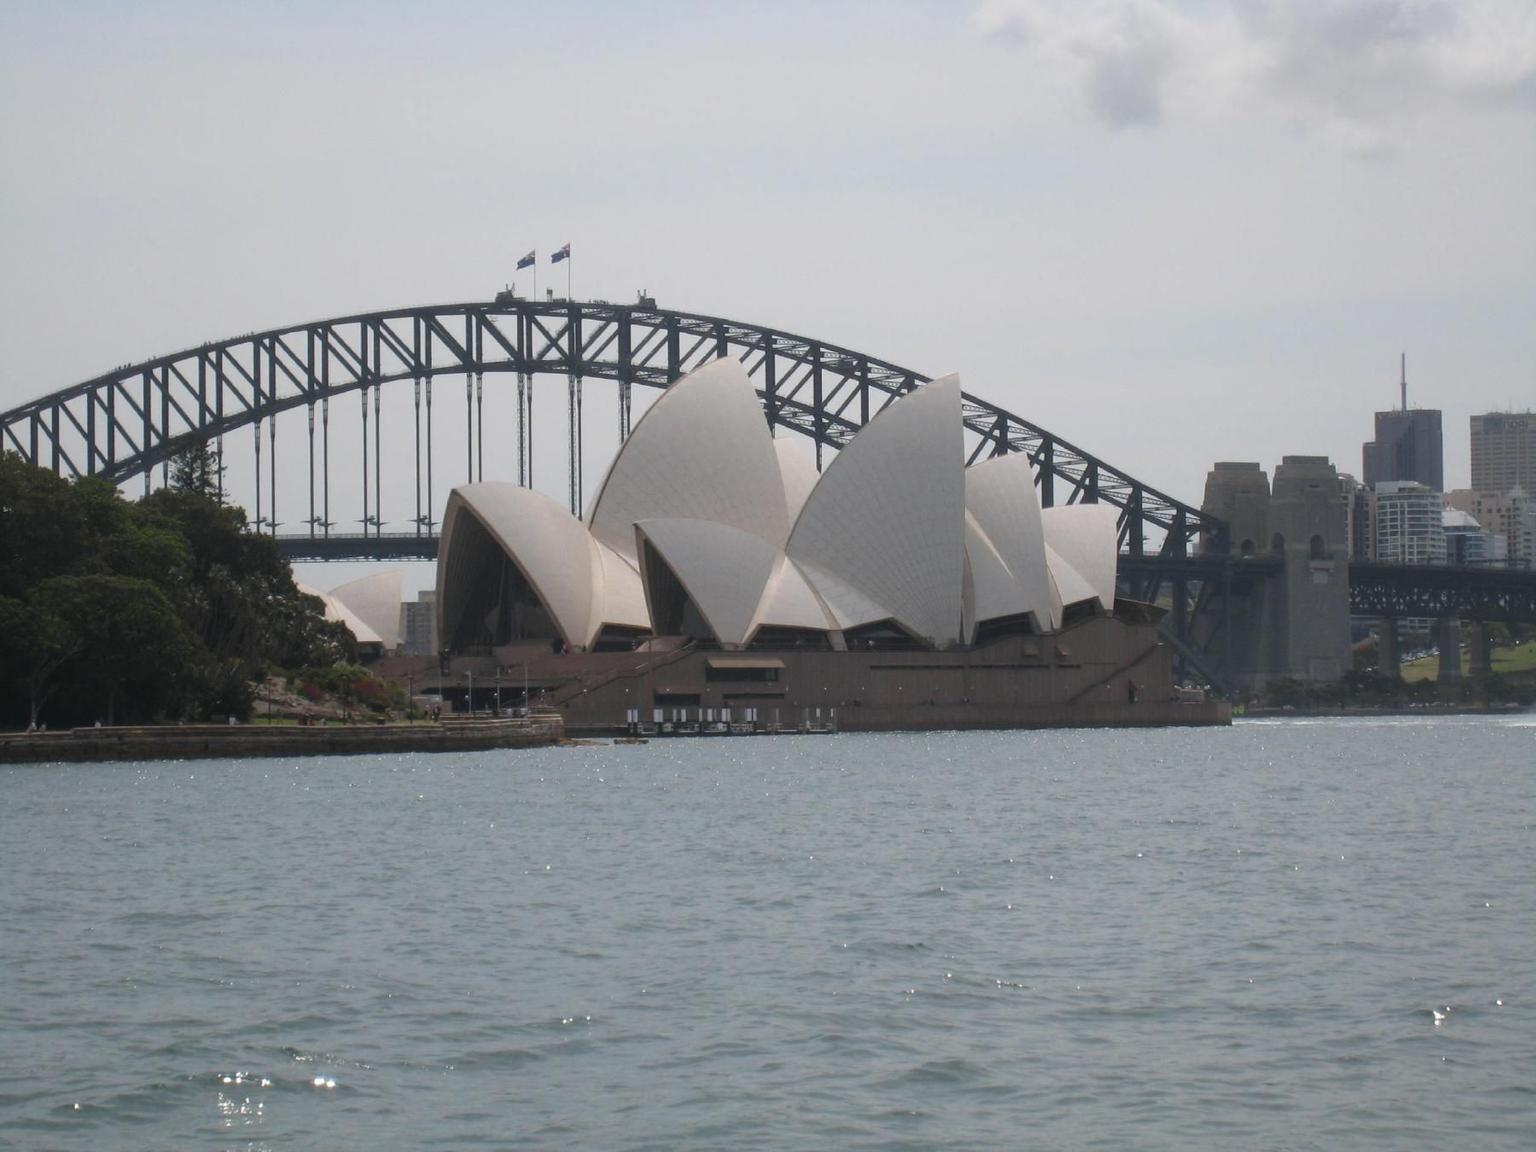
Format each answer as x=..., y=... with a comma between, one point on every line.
x=1352, y=71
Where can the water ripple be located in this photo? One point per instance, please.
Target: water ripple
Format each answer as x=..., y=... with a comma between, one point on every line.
x=1196, y=939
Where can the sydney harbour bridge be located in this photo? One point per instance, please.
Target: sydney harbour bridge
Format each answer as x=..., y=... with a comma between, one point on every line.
x=127, y=425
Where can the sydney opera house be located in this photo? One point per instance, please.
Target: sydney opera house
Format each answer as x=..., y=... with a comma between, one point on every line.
x=716, y=569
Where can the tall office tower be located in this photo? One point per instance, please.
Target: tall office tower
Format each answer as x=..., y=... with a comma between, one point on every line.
x=1407, y=445
x=1504, y=451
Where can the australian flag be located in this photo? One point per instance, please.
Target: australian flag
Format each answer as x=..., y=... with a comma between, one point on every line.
x=526, y=262
x=560, y=254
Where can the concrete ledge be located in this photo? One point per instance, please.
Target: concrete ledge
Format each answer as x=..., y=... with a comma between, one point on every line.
x=1144, y=714
x=210, y=741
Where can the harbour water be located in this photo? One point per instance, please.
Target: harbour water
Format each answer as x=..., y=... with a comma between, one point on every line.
x=1287, y=934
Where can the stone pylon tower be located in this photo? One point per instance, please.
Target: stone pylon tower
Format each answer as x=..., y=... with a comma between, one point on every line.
x=1309, y=525
x=1288, y=612
x=1238, y=493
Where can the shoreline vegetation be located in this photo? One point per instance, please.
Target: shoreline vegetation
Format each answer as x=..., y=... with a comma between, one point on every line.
x=1432, y=708
x=1366, y=691
x=162, y=610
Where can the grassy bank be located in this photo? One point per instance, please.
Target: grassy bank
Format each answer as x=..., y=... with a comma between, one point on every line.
x=1508, y=660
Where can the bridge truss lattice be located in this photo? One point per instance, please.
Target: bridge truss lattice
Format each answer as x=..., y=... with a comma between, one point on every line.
x=127, y=422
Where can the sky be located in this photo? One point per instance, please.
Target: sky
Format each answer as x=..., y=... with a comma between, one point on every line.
x=1170, y=231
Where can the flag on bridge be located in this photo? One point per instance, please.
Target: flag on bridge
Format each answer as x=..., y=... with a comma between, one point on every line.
x=560, y=254
x=527, y=261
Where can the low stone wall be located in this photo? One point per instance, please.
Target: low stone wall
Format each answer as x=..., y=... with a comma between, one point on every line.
x=212, y=741
x=1144, y=714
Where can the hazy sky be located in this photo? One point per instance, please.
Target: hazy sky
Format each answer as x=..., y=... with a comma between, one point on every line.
x=1173, y=232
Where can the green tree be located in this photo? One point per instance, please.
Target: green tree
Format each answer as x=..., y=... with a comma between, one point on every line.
x=135, y=659
x=45, y=525
x=34, y=645
x=196, y=469
x=84, y=572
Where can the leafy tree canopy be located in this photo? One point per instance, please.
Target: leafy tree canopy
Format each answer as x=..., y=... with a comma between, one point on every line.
x=163, y=608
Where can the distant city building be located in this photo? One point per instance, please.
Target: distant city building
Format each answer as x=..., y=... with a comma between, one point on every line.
x=1468, y=542
x=1408, y=446
x=1407, y=523
x=1504, y=451
x=418, y=625
x=1511, y=515
x=1357, y=516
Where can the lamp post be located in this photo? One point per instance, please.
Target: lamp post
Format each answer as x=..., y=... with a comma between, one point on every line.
x=498, y=691
x=470, y=676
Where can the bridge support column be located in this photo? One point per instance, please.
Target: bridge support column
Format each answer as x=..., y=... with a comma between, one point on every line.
x=1389, y=652
x=1482, y=651
x=1448, y=639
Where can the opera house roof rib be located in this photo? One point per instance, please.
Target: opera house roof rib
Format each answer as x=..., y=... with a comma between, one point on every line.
x=706, y=527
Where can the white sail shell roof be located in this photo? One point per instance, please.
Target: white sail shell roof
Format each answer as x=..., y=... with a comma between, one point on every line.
x=991, y=590
x=1000, y=494
x=1085, y=539
x=375, y=600
x=702, y=451
x=797, y=468
x=547, y=543
x=723, y=569
x=789, y=601
x=618, y=598
x=339, y=613
x=1067, y=586
x=886, y=524
x=897, y=529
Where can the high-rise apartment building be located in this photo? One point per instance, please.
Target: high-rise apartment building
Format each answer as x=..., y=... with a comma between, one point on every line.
x=1504, y=452
x=1407, y=525
x=1408, y=446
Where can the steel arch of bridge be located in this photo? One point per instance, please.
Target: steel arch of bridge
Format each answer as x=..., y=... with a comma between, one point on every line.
x=125, y=422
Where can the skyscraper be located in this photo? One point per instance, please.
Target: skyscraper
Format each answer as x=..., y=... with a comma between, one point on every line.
x=1504, y=452
x=1407, y=445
